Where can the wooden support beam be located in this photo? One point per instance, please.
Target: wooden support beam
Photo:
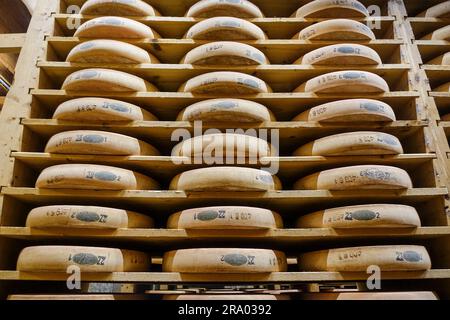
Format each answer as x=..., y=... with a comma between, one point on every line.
x=12, y=42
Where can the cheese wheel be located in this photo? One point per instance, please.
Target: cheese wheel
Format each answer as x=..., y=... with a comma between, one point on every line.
x=358, y=259
x=332, y=9
x=443, y=88
x=336, y=30
x=225, y=53
x=93, y=177
x=216, y=8
x=101, y=110
x=357, y=177
x=62, y=297
x=108, y=80
x=224, y=260
x=224, y=146
x=225, y=28
x=405, y=295
x=118, y=8
x=221, y=297
x=341, y=54
x=439, y=34
x=225, y=82
x=351, y=110
x=225, y=179
x=350, y=81
x=86, y=217
x=352, y=143
x=225, y=218
x=442, y=60
x=88, y=259
x=441, y=10
x=109, y=51
x=115, y=27
x=362, y=216
x=226, y=110
x=98, y=142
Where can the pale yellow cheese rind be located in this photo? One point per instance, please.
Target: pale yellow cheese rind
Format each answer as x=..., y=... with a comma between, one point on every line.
x=341, y=54
x=217, y=8
x=441, y=10
x=337, y=30
x=332, y=9
x=118, y=8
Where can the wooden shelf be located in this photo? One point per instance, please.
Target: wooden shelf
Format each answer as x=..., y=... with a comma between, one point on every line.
x=429, y=50
x=11, y=42
x=422, y=26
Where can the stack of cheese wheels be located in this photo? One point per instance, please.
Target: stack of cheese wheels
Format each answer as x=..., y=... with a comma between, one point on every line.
x=226, y=110
x=332, y=9
x=225, y=218
x=98, y=142
x=88, y=259
x=341, y=54
x=86, y=217
x=352, y=143
x=358, y=259
x=222, y=297
x=109, y=51
x=441, y=10
x=225, y=82
x=224, y=145
x=106, y=80
x=443, y=88
x=350, y=110
x=101, y=110
x=362, y=216
x=439, y=34
x=225, y=53
x=405, y=295
x=225, y=179
x=118, y=8
x=351, y=81
x=216, y=8
x=337, y=30
x=225, y=28
x=224, y=260
x=442, y=60
x=356, y=177
x=93, y=177
x=115, y=27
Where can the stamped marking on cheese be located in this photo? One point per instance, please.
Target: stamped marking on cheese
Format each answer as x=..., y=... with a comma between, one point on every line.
x=225, y=105
x=85, y=259
x=409, y=256
x=374, y=173
x=94, y=138
x=228, y=24
x=362, y=215
x=369, y=106
x=117, y=107
x=346, y=49
x=105, y=176
x=265, y=178
x=207, y=215
x=113, y=21
x=87, y=216
x=352, y=75
x=87, y=45
x=88, y=74
x=235, y=259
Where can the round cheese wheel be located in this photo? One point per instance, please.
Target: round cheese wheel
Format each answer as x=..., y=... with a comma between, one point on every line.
x=225, y=82
x=336, y=30
x=98, y=142
x=442, y=60
x=216, y=8
x=109, y=51
x=118, y=8
x=439, y=34
x=357, y=177
x=443, y=88
x=441, y=10
x=224, y=260
x=225, y=53
x=221, y=297
x=406, y=295
x=225, y=179
x=341, y=54
x=225, y=218
x=362, y=216
x=352, y=143
x=108, y=80
x=226, y=110
x=350, y=81
x=332, y=9
x=100, y=110
x=86, y=217
x=349, y=111
x=88, y=259
x=61, y=297
x=93, y=177
x=115, y=27
x=358, y=259
x=225, y=28
x=224, y=146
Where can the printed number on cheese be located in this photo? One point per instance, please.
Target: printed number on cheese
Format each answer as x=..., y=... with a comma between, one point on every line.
x=362, y=216
x=441, y=60
x=93, y=177
x=357, y=177
x=118, y=8
x=332, y=9
x=341, y=54
x=225, y=179
x=441, y=10
x=217, y=8
x=337, y=30
x=358, y=259
x=439, y=34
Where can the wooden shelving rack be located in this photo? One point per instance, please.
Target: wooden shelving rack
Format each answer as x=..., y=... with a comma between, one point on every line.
x=26, y=125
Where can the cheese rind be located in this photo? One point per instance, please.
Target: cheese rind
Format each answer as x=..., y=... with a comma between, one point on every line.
x=442, y=60
x=93, y=177
x=224, y=260
x=441, y=10
x=362, y=216
x=336, y=30
x=225, y=218
x=225, y=179
x=356, y=177
x=358, y=259
x=85, y=217
x=439, y=34
x=88, y=259
x=352, y=143
x=225, y=28
x=332, y=9
x=118, y=8
x=341, y=54
x=216, y=8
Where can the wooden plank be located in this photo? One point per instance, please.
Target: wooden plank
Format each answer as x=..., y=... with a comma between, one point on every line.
x=431, y=49
x=2, y=101
x=422, y=26
x=12, y=42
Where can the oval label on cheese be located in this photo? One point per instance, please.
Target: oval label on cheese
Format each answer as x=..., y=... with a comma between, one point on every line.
x=411, y=256
x=105, y=176
x=363, y=215
x=93, y=138
x=207, y=215
x=87, y=216
x=235, y=259
x=85, y=258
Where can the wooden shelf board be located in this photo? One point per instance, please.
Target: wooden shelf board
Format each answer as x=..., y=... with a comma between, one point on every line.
x=11, y=42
